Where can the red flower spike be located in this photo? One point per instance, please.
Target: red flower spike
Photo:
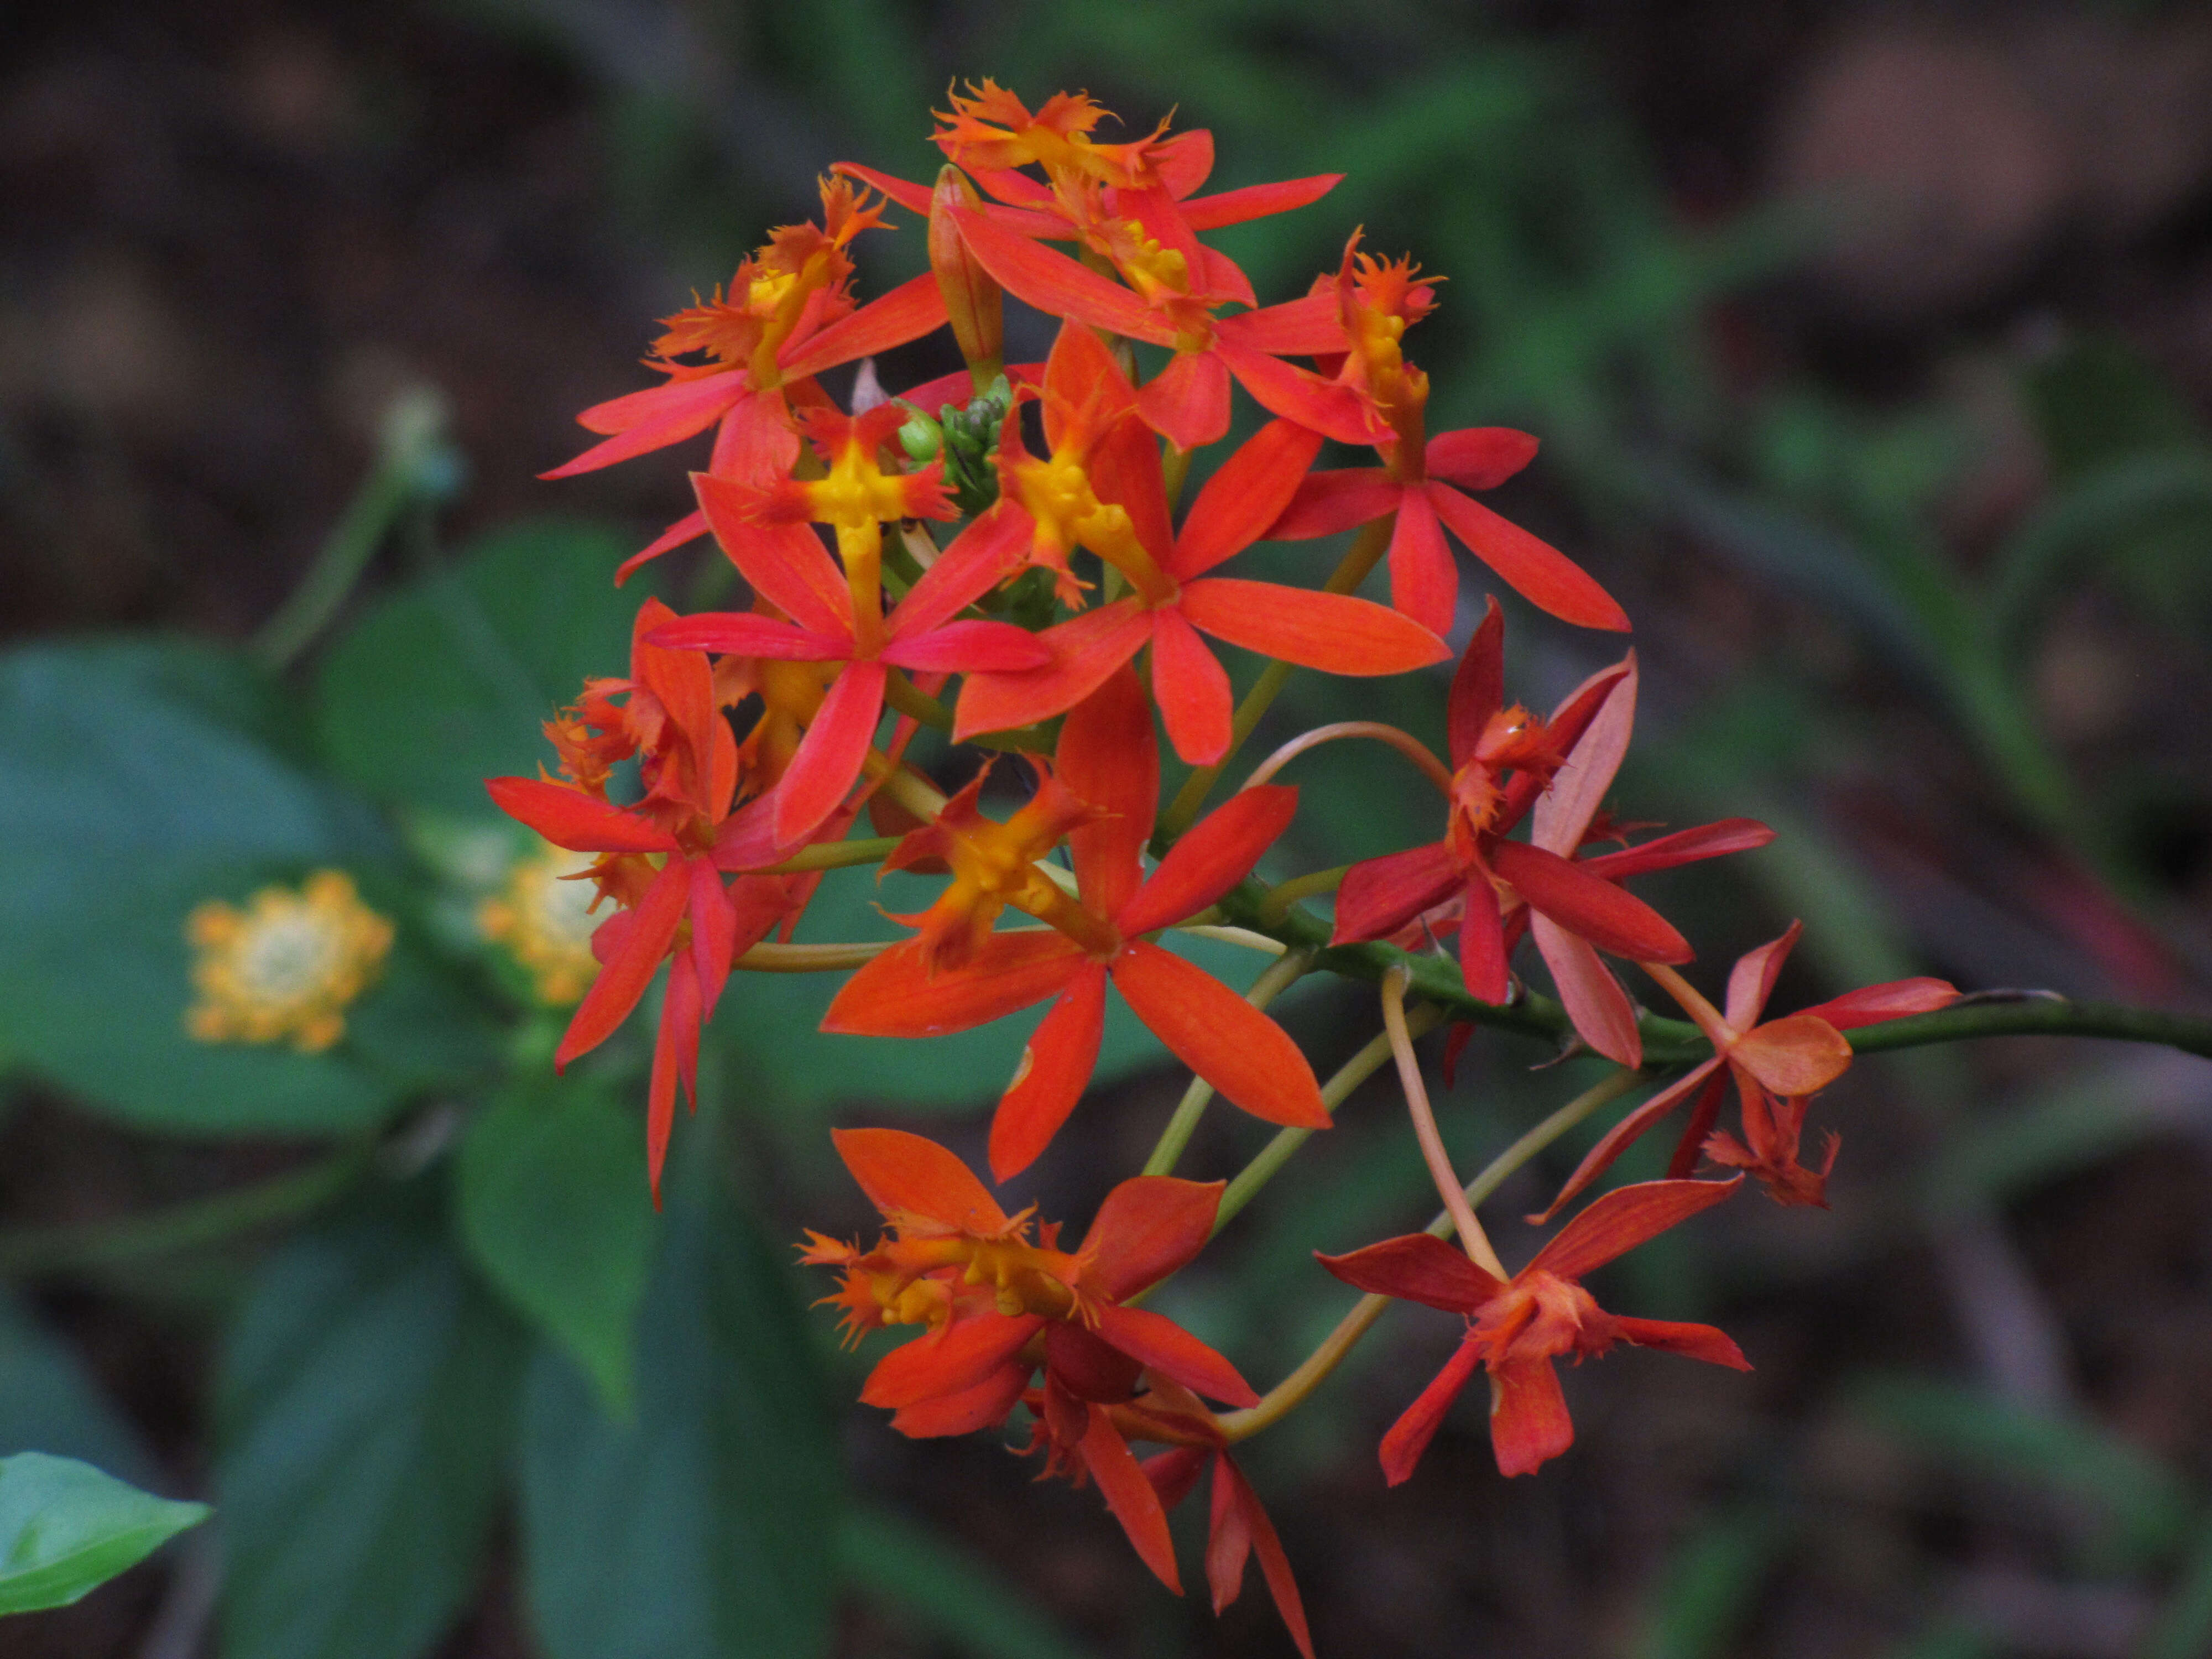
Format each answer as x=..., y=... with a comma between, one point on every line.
x=1777, y=1067
x=1518, y=1328
x=1107, y=747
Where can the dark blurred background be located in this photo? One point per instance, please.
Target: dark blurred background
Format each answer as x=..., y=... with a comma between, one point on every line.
x=1871, y=348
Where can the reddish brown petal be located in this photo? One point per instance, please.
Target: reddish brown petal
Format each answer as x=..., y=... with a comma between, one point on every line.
x=1274, y=1565
x=1249, y=492
x=622, y=978
x=1609, y=917
x=1333, y=632
x=1625, y=1133
x=1715, y=1347
x=896, y=994
x=1579, y=788
x=1596, y=1004
x=1148, y=1227
x=1623, y=1219
x=1186, y=402
x=984, y=1405
x=948, y=1361
x=1532, y=567
x=829, y=757
x=1477, y=687
x=1058, y=285
x=1424, y=576
x=568, y=817
x=1086, y=650
x=1381, y=896
x=1416, y=1267
x=1055, y=1069
x=1213, y=856
x=1751, y=981
x=1222, y=1037
x=1707, y=841
x=1800, y=1054
x=1483, y=945
x=1110, y=760
x=1892, y=1000
x=1122, y=1483
x=906, y=313
x=1409, y=1437
x=1328, y=502
x=1478, y=457
x=1192, y=688
x=1157, y=1341
x=1528, y=1421
x=1088, y=1367
x=1175, y=1471
x=1228, y=1541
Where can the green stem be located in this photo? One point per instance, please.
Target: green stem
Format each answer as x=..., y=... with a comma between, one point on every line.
x=1279, y=975
x=194, y=1225
x=837, y=855
x=907, y=698
x=1365, y=553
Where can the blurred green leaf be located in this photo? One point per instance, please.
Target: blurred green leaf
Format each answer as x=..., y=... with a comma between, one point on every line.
x=139, y=777
x=945, y=1590
x=2183, y=1628
x=556, y=1210
x=447, y=681
x=708, y=1525
x=66, y=1529
x=1708, y=1591
x=2139, y=1507
x=365, y=1403
x=49, y=1403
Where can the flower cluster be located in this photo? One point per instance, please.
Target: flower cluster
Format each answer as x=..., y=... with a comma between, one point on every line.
x=1008, y=559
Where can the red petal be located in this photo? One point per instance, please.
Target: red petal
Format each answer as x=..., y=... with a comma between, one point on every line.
x=1222, y=1037
x=1532, y=567
x=1056, y=1065
x=1186, y=402
x=1423, y=575
x=970, y=647
x=1751, y=981
x=1528, y=1421
x=982, y=555
x=1309, y=327
x=1234, y=207
x=1333, y=409
x=1110, y=760
x=1381, y=896
x=1212, y=857
x=1251, y=491
x=568, y=817
x=1715, y=1347
x=913, y=198
x=830, y=755
x=1082, y=381
x=983, y=1406
x=1416, y=1267
x=908, y=1176
x=1328, y=502
x=1086, y=650
x=1477, y=687
x=1707, y=841
x=1483, y=947
x=655, y=418
x=907, y=312
x=756, y=443
x=1058, y=285
x=1158, y=1342
x=1183, y=161
x=1125, y=470
x=622, y=978
x=749, y=633
x=689, y=528
x=895, y=994
x=1478, y=457
x=1578, y=789
x=1085, y=1365
x=1626, y=1133
x=966, y=1352
x=1192, y=688
x=1623, y=1219
x=675, y=1052
x=1799, y=1054
x=1596, y=1004
x=1334, y=632
x=1240, y=1516
x=1894, y=1000
x=1148, y=1227
x=714, y=932
x=1607, y=916
x=1409, y=1437
x=1122, y=1483
x=1174, y=1473
x=786, y=564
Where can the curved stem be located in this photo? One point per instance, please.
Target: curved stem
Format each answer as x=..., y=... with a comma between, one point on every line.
x=1365, y=553
x=907, y=698
x=1404, y=742
x=1243, y=938
x=1278, y=978
x=1472, y=1238
x=810, y=958
x=836, y=855
x=1311, y=885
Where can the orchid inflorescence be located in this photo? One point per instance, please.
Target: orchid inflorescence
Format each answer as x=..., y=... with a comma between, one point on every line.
x=1042, y=561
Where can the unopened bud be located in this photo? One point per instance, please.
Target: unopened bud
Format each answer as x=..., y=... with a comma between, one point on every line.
x=920, y=437
x=971, y=295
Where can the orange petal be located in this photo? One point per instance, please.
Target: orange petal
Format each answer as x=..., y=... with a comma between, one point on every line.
x=1894, y=1000
x=1409, y=1437
x=1222, y=1037
x=829, y=757
x=1416, y=1267
x=1186, y=402
x=1110, y=760
x=1333, y=632
x=896, y=994
x=942, y=1363
x=1192, y=688
x=1423, y=575
x=568, y=817
x=655, y=418
x=1157, y=1341
x=982, y=1406
x=1057, y=285
x=1122, y=1483
x=1800, y=1054
x=1086, y=650
x=1329, y=407
x=1274, y=1565
x=1751, y=981
x=1213, y=856
x=621, y=981
x=1624, y=1218
x=911, y=1176
x=1715, y=1347
x=1056, y=1065
x=1328, y=502
x=1478, y=457
x=1311, y=326
x=1624, y=1134
x=1148, y=1227
x=785, y=563
x=906, y=313
x=1531, y=566
x=1251, y=491
x=1234, y=207
x=1528, y=1421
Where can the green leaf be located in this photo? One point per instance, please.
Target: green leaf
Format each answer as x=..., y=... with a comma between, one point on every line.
x=945, y=1590
x=66, y=1529
x=366, y=1403
x=49, y=1403
x=556, y=1210
x=709, y=1525
x=139, y=777
x=446, y=683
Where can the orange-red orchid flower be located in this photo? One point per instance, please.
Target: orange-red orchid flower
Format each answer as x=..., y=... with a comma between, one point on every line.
x=1518, y=1327
x=1778, y=1065
x=1108, y=761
